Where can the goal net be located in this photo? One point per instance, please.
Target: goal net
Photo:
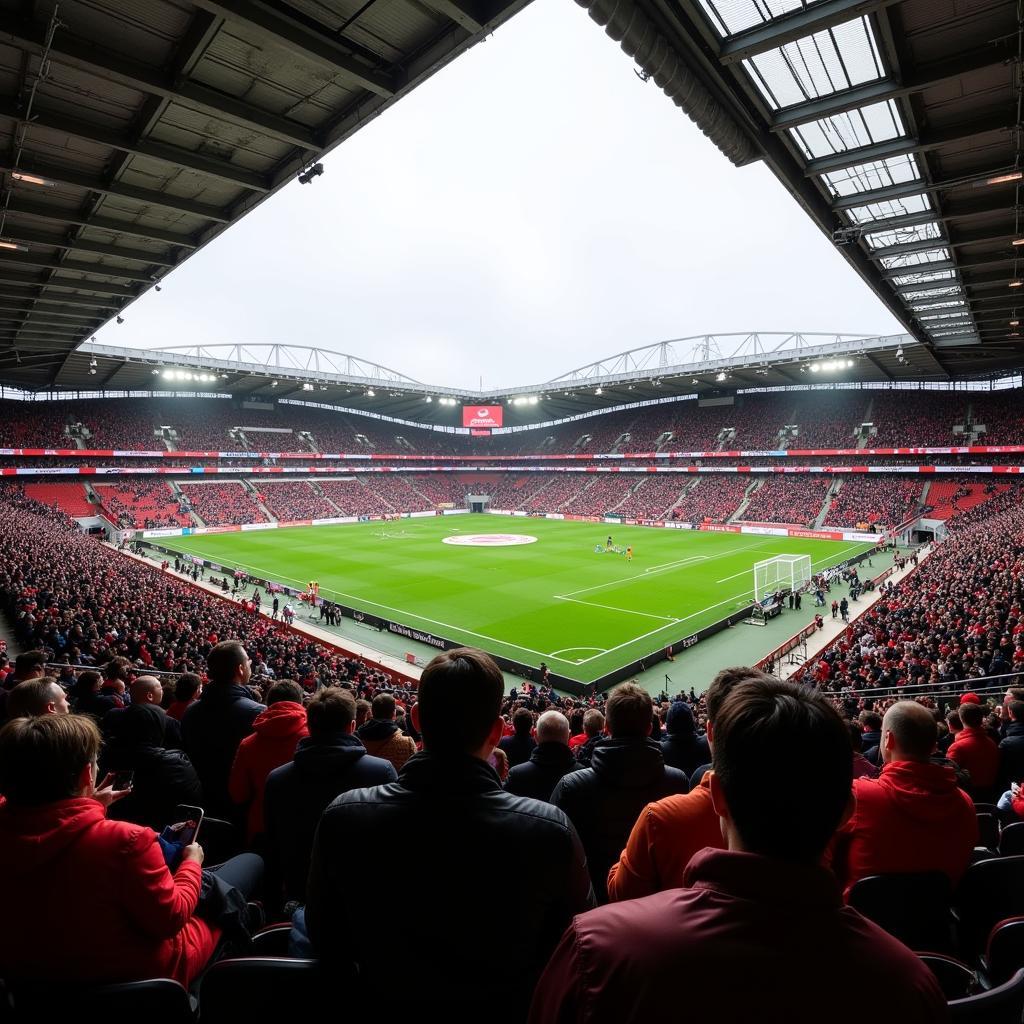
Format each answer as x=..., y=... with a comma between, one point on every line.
x=784, y=572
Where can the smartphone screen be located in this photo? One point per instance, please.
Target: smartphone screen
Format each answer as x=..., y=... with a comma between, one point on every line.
x=187, y=820
x=123, y=780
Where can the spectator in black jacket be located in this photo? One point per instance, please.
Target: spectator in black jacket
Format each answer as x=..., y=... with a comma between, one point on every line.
x=162, y=778
x=683, y=748
x=519, y=746
x=550, y=759
x=144, y=690
x=86, y=698
x=628, y=772
x=331, y=760
x=871, y=737
x=593, y=729
x=215, y=724
x=1011, y=747
x=471, y=852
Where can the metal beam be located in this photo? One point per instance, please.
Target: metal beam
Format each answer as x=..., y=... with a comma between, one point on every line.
x=29, y=259
x=49, y=330
x=76, y=128
x=88, y=56
x=922, y=268
x=149, y=197
x=59, y=215
x=882, y=195
x=462, y=12
x=875, y=92
x=788, y=28
x=55, y=300
x=950, y=211
x=70, y=318
x=935, y=139
x=904, y=248
x=17, y=233
x=273, y=28
x=99, y=287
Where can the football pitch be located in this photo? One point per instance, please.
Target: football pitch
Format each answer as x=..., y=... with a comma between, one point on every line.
x=551, y=598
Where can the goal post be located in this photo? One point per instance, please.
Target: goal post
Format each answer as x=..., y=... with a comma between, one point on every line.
x=784, y=572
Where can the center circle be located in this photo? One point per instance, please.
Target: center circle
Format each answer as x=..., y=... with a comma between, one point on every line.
x=490, y=540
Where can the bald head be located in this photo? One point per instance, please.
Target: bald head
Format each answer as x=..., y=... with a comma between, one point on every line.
x=553, y=727
x=147, y=690
x=909, y=733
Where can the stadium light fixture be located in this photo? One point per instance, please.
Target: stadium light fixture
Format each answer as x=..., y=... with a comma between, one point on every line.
x=32, y=179
x=14, y=246
x=273, y=383
x=534, y=399
x=1015, y=323
x=814, y=367
x=310, y=173
x=599, y=391
x=370, y=393
x=1016, y=284
x=120, y=319
x=1003, y=179
x=1017, y=241
x=429, y=399
x=307, y=386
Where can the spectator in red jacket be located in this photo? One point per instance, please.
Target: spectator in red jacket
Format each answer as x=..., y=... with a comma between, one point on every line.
x=976, y=751
x=68, y=871
x=276, y=733
x=761, y=924
x=913, y=817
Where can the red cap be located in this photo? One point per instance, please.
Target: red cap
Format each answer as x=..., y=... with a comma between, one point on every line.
x=970, y=698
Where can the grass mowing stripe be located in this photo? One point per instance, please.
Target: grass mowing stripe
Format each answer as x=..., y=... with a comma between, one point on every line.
x=507, y=599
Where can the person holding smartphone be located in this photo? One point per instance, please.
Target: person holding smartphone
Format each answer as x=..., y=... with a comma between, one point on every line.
x=88, y=899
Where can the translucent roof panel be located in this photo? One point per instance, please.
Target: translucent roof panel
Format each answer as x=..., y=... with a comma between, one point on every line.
x=951, y=291
x=903, y=236
x=942, y=318
x=929, y=306
x=838, y=133
x=908, y=280
x=894, y=170
x=890, y=208
x=732, y=16
x=817, y=65
x=915, y=259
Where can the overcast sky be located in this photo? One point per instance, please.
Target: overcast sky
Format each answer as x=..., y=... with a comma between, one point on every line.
x=531, y=208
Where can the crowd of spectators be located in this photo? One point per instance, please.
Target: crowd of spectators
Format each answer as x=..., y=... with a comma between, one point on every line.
x=294, y=499
x=604, y=493
x=913, y=419
x=874, y=499
x=1001, y=415
x=655, y=496
x=827, y=419
x=714, y=497
x=353, y=497
x=223, y=504
x=790, y=498
x=559, y=490
x=142, y=504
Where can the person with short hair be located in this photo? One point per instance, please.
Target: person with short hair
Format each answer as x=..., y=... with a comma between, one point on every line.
x=214, y=726
x=382, y=737
x=976, y=751
x=38, y=696
x=86, y=698
x=329, y=761
x=187, y=689
x=1011, y=746
x=682, y=748
x=88, y=900
x=761, y=923
x=144, y=690
x=628, y=772
x=275, y=735
x=593, y=733
x=669, y=832
x=476, y=850
x=521, y=743
x=913, y=817
x=549, y=760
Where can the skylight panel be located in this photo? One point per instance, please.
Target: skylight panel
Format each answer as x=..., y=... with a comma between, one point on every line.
x=893, y=170
x=915, y=259
x=925, y=277
x=903, y=236
x=817, y=65
x=732, y=16
x=839, y=133
x=888, y=208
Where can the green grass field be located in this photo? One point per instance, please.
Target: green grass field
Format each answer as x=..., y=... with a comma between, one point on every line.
x=555, y=600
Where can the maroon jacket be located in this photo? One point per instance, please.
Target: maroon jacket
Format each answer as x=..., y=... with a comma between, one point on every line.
x=765, y=940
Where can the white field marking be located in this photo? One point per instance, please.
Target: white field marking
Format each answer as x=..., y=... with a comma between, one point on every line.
x=615, y=608
x=706, y=608
x=566, y=650
x=665, y=567
x=746, y=572
x=398, y=611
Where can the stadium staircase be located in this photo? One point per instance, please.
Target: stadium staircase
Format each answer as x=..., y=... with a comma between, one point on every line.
x=181, y=497
x=834, y=489
x=747, y=497
x=251, y=488
x=687, y=489
x=69, y=497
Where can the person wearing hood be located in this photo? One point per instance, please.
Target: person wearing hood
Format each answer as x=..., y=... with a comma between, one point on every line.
x=549, y=760
x=276, y=734
x=381, y=735
x=627, y=772
x=162, y=778
x=329, y=761
x=86, y=899
x=683, y=748
x=913, y=817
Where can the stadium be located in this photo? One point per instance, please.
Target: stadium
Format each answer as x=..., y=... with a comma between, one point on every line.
x=227, y=567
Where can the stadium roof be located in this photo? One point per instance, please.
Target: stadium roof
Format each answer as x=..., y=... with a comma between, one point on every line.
x=706, y=366
x=137, y=130
x=896, y=125
x=134, y=131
